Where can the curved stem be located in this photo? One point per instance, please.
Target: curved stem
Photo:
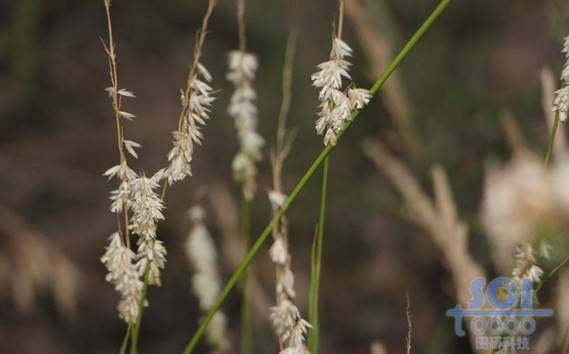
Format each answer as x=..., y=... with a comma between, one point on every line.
x=304, y=180
x=246, y=324
x=551, y=142
x=552, y=273
x=316, y=265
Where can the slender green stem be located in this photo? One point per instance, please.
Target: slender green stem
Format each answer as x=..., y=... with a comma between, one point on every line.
x=125, y=340
x=246, y=324
x=316, y=265
x=141, y=305
x=304, y=180
x=551, y=142
x=552, y=273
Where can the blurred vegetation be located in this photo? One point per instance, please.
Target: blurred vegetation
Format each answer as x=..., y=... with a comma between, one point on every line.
x=57, y=139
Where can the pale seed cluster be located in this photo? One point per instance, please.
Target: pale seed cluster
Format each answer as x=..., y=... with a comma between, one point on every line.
x=288, y=324
x=137, y=197
x=122, y=273
x=526, y=264
x=242, y=67
x=196, y=105
x=561, y=103
x=123, y=265
x=206, y=282
x=336, y=104
x=146, y=211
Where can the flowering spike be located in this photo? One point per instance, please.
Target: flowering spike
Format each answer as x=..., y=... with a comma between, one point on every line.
x=336, y=105
x=242, y=67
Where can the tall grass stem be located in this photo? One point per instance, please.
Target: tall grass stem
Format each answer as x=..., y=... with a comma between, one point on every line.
x=246, y=324
x=551, y=143
x=317, y=265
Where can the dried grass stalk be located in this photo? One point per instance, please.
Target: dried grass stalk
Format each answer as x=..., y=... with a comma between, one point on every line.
x=438, y=216
x=31, y=265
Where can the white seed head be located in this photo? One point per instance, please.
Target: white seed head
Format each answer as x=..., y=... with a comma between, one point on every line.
x=526, y=264
x=336, y=106
x=151, y=256
x=122, y=273
x=180, y=157
x=197, y=109
x=146, y=207
x=206, y=282
x=242, y=68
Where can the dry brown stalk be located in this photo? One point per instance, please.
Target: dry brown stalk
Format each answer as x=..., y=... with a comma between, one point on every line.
x=30, y=265
x=438, y=216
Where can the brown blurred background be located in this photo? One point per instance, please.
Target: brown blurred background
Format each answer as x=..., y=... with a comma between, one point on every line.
x=57, y=138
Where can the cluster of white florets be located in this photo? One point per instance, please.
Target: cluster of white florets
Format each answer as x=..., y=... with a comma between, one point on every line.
x=122, y=273
x=206, y=282
x=287, y=322
x=336, y=104
x=242, y=68
x=526, y=264
x=195, y=108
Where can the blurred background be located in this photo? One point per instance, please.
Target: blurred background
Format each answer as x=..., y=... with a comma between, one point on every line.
x=478, y=69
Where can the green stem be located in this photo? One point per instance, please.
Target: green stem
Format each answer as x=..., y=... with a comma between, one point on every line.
x=551, y=142
x=316, y=265
x=138, y=324
x=552, y=273
x=304, y=180
x=246, y=324
x=125, y=340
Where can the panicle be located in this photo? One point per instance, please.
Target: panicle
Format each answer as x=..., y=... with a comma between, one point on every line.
x=287, y=322
x=122, y=273
x=206, y=282
x=526, y=264
x=336, y=105
x=146, y=208
x=196, y=108
x=242, y=68
x=289, y=327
